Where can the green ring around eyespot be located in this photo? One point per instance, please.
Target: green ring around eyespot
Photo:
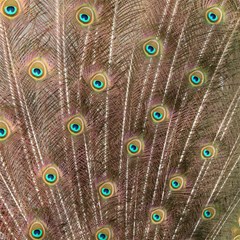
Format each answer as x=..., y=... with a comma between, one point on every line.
x=150, y=53
x=73, y=129
x=100, y=238
x=106, y=194
x=174, y=185
x=194, y=82
x=12, y=13
x=205, y=155
x=4, y=134
x=154, y=217
x=37, y=75
x=157, y=118
x=84, y=20
x=37, y=236
x=51, y=180
x=97, y=86
x=206, y=216
x=215, y=20
x=133, y=151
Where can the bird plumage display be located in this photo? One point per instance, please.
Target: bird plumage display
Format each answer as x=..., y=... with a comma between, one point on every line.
x=120, y=119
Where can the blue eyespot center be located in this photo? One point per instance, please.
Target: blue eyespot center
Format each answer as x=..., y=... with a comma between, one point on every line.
x=84, y=18
x=10, y=10
x=3, y=132
x=133, y=148
x=157, y=115
x=37, y=72
x=156, y=217
x=195, y=79
x=106, y=191
x=150, y=49
x=212, y=17
x=206, y=153
x=102, y=236
x=175, y=184
x=37, y=233
x=207, y=214
x=75, y=127
x=98, y=84
x=51, y=178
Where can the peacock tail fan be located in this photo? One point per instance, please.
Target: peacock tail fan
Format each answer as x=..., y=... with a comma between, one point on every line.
x=120, y=119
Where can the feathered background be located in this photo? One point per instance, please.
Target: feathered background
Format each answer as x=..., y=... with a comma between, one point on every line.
x=37, y=113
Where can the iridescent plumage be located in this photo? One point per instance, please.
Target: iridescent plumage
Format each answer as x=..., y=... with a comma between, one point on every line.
x=120, y=119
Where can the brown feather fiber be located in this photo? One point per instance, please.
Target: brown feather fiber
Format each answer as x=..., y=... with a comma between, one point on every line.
x=37, y=113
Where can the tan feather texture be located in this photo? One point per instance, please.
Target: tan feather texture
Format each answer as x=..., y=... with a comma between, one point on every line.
x=119, y=147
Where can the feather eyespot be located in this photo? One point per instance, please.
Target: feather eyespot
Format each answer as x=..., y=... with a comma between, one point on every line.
x=152, y=48
x=176, y=183
x=37, y=230
x=99, y=82
x=196, y=78
x=37, y=70
x=76, y=125
x=51, y=175
x=5, y=131
x=157, y=216
x=159, y=114
x=107, y=190
x=135, y=147
x=208, y=152
x=208, y=213
x=86, y=16
x=11, y=8
x=104, y=233
x=214, y=15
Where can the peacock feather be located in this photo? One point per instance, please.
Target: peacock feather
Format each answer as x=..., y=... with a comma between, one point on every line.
x=120, y=119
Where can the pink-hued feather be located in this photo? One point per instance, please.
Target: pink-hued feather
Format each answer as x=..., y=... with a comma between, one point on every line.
x=38, y=113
